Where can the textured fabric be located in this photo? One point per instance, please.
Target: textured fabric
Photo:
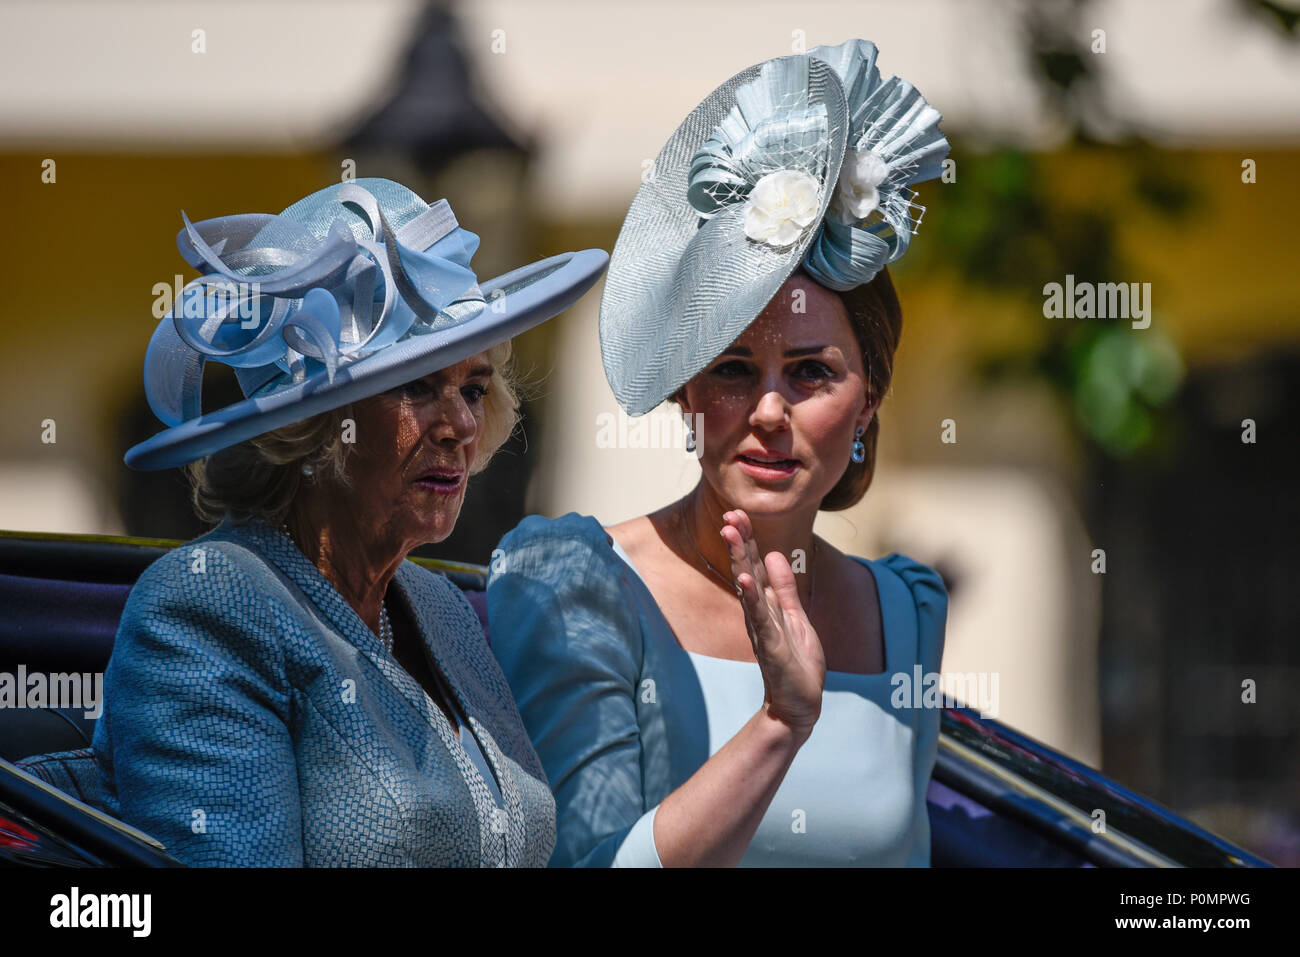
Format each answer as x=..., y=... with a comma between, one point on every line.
x=891, y=124
x=476, y=755
x=253, y=719
x=680, y=290
x=688, y=274
x=620, y=718
x=74, y=772
x=351, y=291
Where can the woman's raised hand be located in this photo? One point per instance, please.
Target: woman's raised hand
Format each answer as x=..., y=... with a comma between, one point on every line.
x=787, y=649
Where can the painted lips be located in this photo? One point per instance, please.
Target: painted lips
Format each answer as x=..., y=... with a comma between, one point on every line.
x=441, y=481
x=767, y=466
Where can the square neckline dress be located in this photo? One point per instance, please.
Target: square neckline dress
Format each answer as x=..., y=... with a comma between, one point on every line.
x=621, y=715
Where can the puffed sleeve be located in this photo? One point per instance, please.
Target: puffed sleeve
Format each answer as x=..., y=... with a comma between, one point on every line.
x=195, y=736
x=931, y=600
x=567, y=636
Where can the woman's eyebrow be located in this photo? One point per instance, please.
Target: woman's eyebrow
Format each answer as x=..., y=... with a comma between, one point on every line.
x=481, y=370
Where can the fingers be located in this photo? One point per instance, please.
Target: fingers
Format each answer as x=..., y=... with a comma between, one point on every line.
x=736, y=551
x=754, y=606
x=773, y=577
x=785, y=645
x=761, y=608
x=738, y=520
x=731, y=535
x=782, y=581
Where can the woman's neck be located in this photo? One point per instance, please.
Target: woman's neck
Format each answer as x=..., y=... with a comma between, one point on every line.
x=357, y=560
x=789, y=533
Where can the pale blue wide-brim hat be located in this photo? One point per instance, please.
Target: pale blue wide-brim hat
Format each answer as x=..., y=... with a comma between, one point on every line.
x=801, y=160
x=352, y=291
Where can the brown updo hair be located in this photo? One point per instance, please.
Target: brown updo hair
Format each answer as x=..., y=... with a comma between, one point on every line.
x=877, y=321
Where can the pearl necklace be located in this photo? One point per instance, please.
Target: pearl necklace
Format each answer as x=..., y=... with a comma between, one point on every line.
x=385, y=626
x=812, y=582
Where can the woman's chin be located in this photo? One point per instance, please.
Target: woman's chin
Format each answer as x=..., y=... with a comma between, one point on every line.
x=758, y=498
x=431, y=527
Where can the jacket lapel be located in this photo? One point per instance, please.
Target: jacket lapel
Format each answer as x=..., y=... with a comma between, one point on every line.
x=273, y=545
x=444, y=645
x=285, y=559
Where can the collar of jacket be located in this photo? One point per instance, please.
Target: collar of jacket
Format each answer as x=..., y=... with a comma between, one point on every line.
x=412, y=584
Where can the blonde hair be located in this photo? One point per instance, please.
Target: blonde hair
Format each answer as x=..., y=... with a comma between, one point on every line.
x=260, y=478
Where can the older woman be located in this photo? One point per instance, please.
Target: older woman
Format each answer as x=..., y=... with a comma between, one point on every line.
x=287, y=689
x=712, y=684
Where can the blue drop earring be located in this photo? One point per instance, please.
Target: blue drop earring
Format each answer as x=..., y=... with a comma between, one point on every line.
x=859, y=451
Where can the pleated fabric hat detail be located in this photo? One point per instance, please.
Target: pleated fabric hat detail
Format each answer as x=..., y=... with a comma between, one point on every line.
x=800, y=160
x=354, y=290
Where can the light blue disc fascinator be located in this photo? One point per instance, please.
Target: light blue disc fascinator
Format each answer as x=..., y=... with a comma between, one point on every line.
x=801, y=160
x=356, y=289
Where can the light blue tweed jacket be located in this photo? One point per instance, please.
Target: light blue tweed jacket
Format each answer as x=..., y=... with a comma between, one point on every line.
x=252, y=719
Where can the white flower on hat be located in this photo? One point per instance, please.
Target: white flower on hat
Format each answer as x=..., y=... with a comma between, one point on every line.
x=858, y=190
x=781, y=206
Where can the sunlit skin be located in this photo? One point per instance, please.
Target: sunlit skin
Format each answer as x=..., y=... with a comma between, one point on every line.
x=793, y=386
x=781, y=406
x=414, y=447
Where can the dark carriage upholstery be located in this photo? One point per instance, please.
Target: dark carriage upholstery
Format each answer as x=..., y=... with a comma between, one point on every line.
x=59, y=627
x=54, y=627
x=68, y=627
x=55, y=624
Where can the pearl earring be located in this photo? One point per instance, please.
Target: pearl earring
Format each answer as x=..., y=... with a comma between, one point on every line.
x=859, y=451
x=307, y=470
x=690, y=438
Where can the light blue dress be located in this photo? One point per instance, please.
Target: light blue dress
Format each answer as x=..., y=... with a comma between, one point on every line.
x=621, y=715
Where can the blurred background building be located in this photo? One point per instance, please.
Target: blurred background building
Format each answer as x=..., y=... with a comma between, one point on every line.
x=1116, y=517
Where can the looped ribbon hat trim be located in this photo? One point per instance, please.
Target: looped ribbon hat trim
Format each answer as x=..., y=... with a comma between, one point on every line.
x=328, y=281
x=802, y=160
x=893, y=142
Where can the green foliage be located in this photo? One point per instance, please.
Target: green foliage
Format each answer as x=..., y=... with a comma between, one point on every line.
x=1005, y=230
